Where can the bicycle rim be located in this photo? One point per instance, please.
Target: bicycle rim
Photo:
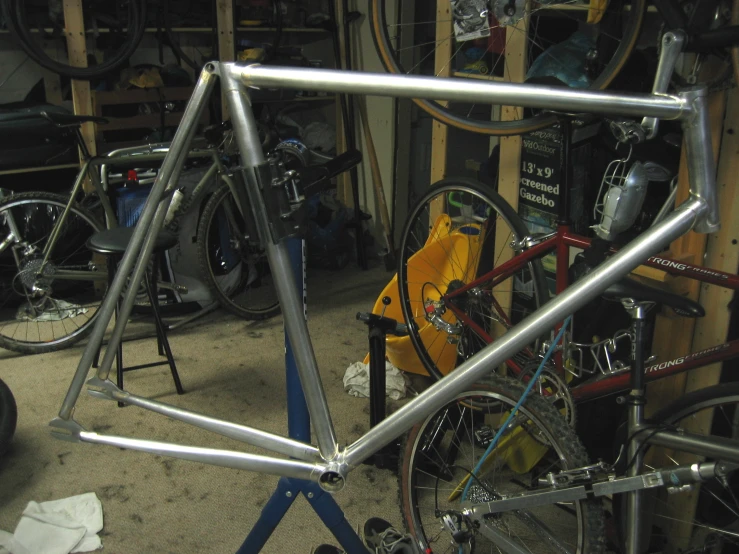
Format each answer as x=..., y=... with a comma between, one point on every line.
x=705, y=519
x=49, y=309
x=609, y=41
x=439, y=454
x=234, y=268
x=458, y=232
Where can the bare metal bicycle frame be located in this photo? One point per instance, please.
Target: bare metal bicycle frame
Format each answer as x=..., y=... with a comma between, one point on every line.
x=326, y=463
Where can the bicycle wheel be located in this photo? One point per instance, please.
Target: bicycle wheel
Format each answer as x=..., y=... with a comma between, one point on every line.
x=439, y=454
x=705, y=519
x=44, y=308
x=232, y=263
x=459, y=232
x=600, y=37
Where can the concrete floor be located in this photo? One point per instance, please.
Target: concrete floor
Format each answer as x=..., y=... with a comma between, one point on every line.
x=231, y=369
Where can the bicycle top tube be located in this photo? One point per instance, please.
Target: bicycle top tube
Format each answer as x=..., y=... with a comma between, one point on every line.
x=524, y=95
x=689, y=106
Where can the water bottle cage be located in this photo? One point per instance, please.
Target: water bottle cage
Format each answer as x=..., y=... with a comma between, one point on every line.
x=283, y=198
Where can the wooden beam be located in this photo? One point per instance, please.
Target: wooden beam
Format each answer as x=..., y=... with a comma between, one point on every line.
x=75, y=31
x=722, y=251
x=442, y=68
x=226, y=51
x=514, y=70
x=343, y=181
x=676, y=335
x=678, y=331
x=403, y=123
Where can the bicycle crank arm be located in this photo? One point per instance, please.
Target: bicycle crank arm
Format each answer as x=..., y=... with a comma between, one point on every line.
x=677, y=479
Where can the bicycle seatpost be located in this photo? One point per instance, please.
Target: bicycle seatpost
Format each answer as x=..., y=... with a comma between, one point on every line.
x=635, y=401
x=673, y=43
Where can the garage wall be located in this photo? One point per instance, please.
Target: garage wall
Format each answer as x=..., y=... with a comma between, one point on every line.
x=381, y=112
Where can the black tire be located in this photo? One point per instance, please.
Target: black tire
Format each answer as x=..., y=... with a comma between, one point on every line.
x=15, y=18
x=620, y=44
x=713, y=528
x=234, y=268
x=8, y=417
x=423, y=279
x=438, y=455
x=40, y=323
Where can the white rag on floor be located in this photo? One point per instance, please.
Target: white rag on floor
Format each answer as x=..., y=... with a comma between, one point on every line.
x=57, y=527
x=357, y=381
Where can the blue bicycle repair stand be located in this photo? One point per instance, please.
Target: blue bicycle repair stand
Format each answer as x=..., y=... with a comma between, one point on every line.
x=298, y=424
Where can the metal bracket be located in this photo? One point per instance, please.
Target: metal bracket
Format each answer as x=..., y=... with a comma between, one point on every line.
x=68, y=429
x=529, y=241
x=283, y=199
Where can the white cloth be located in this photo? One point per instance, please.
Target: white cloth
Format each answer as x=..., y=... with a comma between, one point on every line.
x=357, y=381
x=57, y=527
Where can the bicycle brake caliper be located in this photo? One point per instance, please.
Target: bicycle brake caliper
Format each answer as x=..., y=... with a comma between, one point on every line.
x=435, y=309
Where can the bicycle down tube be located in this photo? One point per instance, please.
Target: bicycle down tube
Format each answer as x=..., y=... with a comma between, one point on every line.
x=330, y=468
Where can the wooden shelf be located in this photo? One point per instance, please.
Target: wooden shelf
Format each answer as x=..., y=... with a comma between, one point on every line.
x=284, y=29
x=312, y=30
x=563, y=7
x=479, y=76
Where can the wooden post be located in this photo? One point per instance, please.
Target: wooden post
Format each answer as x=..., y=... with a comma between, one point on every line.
x=343, y=181
x=673, y=333
x=510, y=154
x=403, y=121
x=75, y=30
x=722, y=251
x=226, y=52
x=442, y=68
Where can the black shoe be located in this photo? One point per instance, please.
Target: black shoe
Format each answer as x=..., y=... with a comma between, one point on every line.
x=383, y=538
x=328, y=549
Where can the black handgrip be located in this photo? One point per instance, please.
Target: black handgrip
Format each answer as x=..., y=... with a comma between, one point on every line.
x=342, y=162
x=723, y=37
x=315, y=178
x=386, y=324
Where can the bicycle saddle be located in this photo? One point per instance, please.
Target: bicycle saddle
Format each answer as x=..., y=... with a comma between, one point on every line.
x=69, y=120
x=629, y=288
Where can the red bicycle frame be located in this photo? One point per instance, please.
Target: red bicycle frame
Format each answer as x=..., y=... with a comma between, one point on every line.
x=603, y=384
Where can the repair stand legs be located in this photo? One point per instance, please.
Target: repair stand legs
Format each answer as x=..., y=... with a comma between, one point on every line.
x=298, y=422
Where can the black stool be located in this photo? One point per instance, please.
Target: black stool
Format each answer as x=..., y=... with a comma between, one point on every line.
x=113, y=243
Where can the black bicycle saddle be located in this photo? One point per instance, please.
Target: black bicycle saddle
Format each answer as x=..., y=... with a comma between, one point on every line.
x=630, y=288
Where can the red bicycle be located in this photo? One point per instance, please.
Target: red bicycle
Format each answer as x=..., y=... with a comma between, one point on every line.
x=470, y=269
